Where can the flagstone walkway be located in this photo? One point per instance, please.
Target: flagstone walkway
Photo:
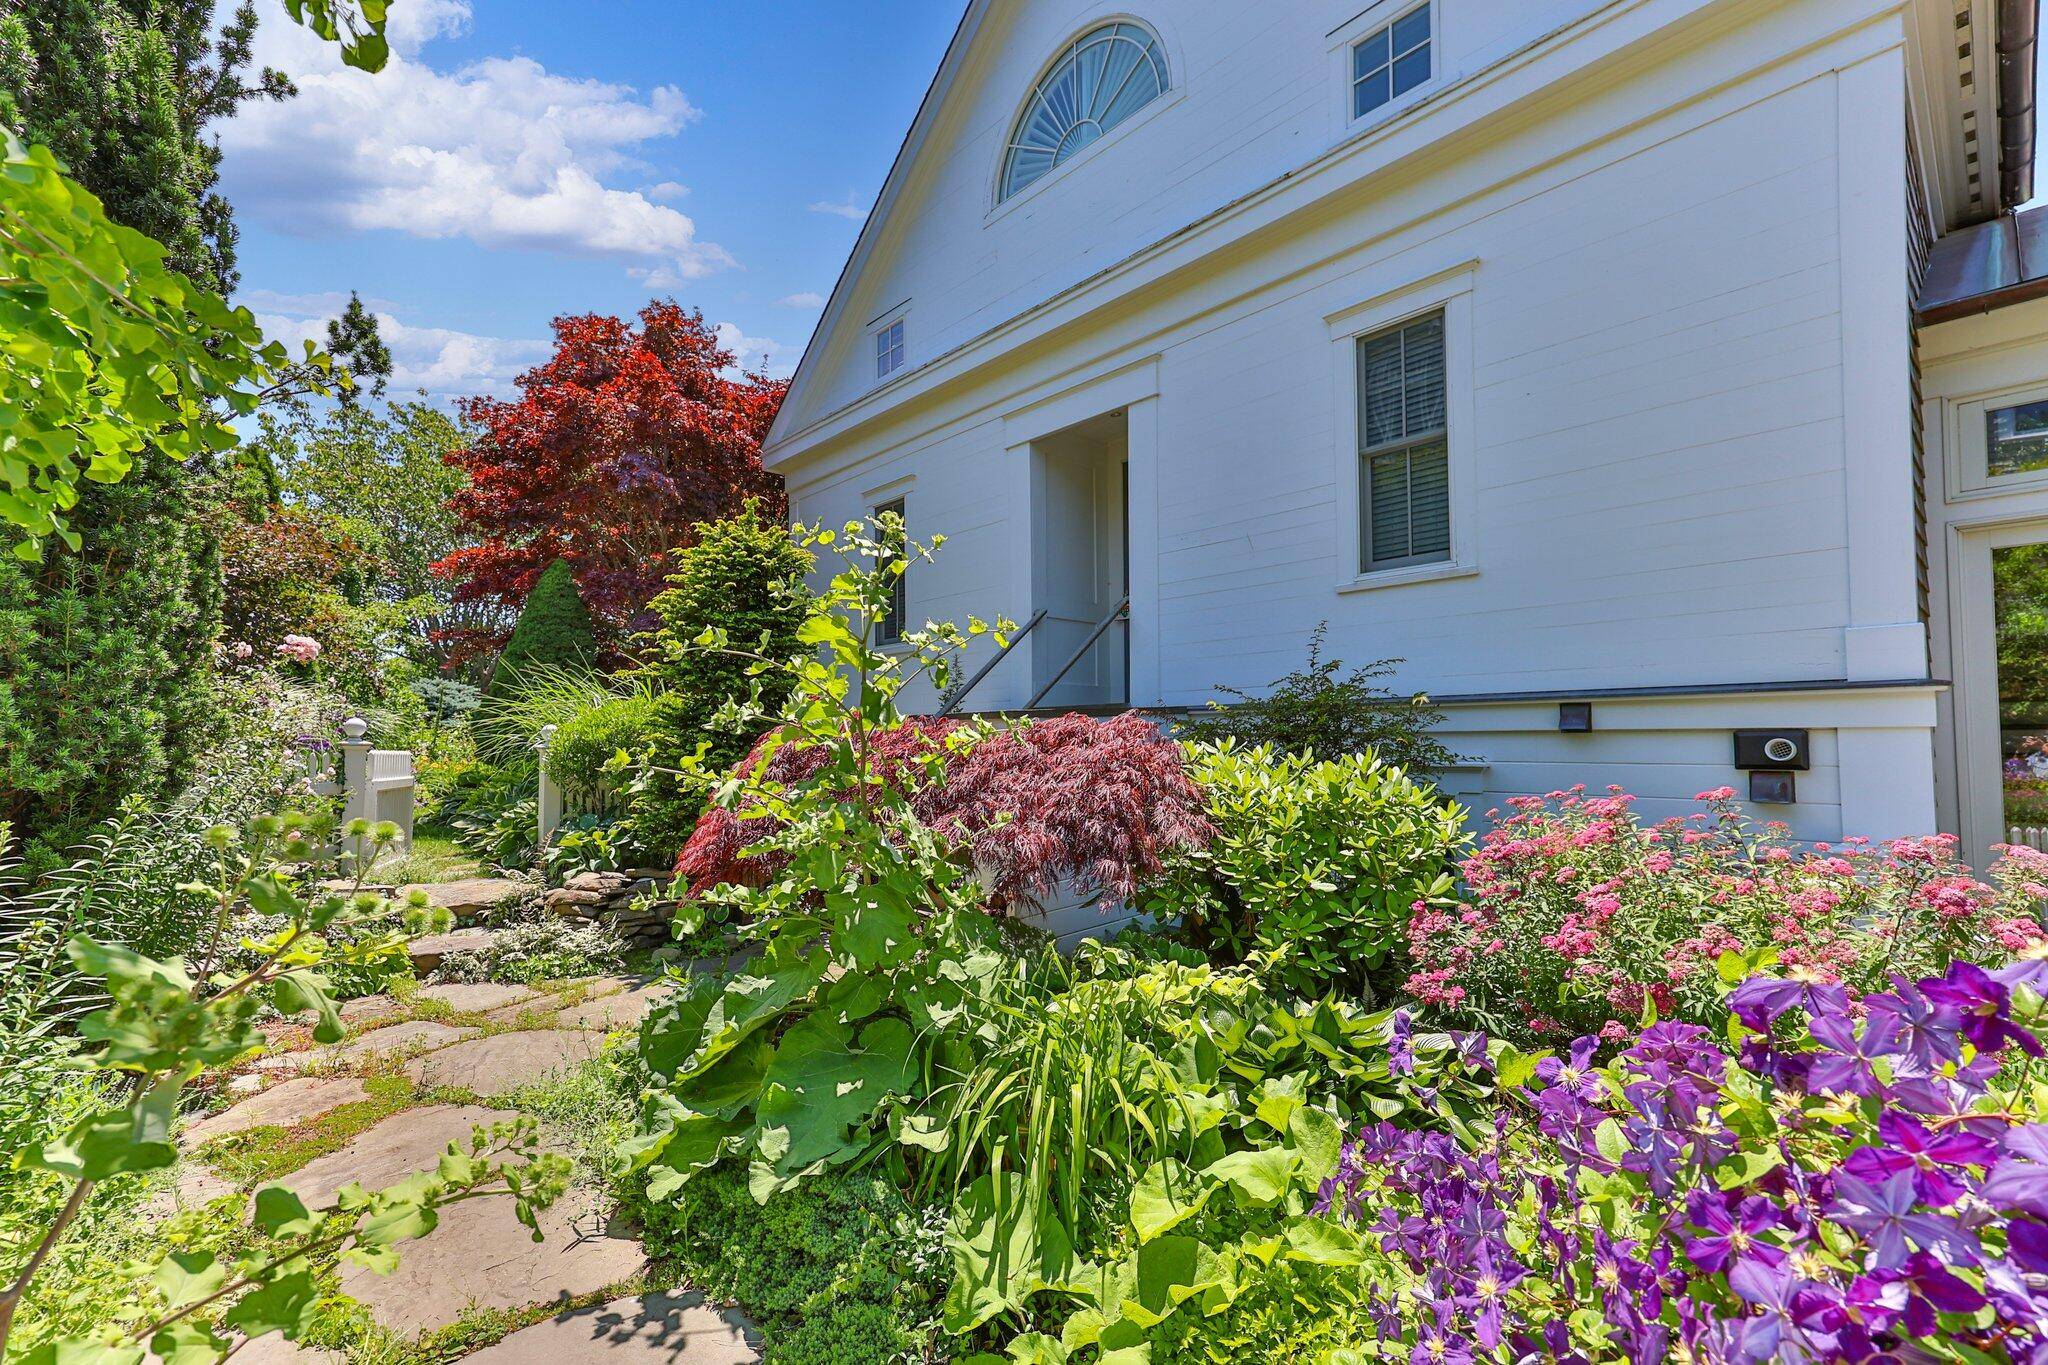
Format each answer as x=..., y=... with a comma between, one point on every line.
x=485, y=1040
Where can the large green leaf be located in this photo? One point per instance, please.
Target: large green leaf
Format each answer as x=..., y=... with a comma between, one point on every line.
x=872, y=926
x=746, y=1005
x=1258, y=1177
x=823, y=1083
x=1166, y=1273
x=1005, y=1249
x=1166, y=1195
x=112, y=1142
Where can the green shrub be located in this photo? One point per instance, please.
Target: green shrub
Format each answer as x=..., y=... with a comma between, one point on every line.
x=840, y=1271
x=1314, y=868
x=554, y=630
x=584, y=745
x=1313, y=710
x=105, y=659
x=744, y=575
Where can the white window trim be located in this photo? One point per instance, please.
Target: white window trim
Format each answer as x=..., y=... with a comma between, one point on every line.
x=875, y=335
x=1176, y=75
x=1450, y=292
x=1344, y=39
x=1966, y=470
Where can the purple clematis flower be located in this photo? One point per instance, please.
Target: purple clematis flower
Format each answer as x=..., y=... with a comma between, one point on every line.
x=2019, y=1182
x=1934, y=1158
x=1485, y=1295
x=1785, y=1305
x=1885, y=1215
x=1928, y=1033
x=2030, y=971
x=1573, y=1075
x=1436, y=1344
x=1906, y=1300
x=1849, y=1066
x=1401, y=1045
x=1730, y=1234
x=1759, y=1001
x=2026, y=1245
x=1985, y=1007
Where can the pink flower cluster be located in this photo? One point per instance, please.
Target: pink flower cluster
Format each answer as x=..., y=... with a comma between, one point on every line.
x=1579, y=918
x=298, y=649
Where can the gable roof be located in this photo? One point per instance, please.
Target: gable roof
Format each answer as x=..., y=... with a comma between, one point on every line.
x=870, y=233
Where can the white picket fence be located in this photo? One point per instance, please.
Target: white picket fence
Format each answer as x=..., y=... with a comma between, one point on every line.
x=375, y=784
x=2028, y=836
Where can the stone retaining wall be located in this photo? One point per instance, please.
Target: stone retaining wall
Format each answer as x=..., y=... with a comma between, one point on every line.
x=632, y=902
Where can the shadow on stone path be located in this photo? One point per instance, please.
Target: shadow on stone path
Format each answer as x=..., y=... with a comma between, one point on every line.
x=480, y=1256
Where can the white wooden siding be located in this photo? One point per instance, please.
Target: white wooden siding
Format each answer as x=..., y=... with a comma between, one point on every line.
x=1658, y=365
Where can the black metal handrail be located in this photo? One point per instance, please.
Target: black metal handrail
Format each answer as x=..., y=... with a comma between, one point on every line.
x=1118, y=613
x=951, y=702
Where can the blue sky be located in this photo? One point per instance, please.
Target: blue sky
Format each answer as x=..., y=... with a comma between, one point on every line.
x=518, y=160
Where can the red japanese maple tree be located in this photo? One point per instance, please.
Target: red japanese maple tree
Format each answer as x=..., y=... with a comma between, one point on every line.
x=616, y=449
x=1098, y=801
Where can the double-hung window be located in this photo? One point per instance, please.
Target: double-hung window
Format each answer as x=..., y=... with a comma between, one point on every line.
x=1404, y=473
x=889, y=630
x=1390, y=61
x=889, y=350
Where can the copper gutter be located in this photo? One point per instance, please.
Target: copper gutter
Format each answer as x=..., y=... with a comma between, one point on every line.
x=2019, y=32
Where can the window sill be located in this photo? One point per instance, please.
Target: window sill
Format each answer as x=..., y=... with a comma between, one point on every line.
x=1395, y=578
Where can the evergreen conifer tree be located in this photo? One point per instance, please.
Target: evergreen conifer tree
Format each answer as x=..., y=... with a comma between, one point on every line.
x=554, y=630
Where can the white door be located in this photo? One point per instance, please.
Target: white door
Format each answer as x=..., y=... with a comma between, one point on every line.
x=2000, y=605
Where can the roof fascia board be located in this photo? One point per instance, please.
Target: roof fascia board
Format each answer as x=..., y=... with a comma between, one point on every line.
x=878, y=217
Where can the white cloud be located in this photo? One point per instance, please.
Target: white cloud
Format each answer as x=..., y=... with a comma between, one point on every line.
x=809, y=302
x=667, y=192
x=757, y=354
x=443, y=362
x=327, y=303
x=501, y=151
x=850, y=208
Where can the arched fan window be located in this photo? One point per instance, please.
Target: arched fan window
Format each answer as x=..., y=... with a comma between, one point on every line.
x=1109, y=74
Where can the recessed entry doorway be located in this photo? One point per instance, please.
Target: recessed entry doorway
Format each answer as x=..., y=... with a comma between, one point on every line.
x=1081, y=564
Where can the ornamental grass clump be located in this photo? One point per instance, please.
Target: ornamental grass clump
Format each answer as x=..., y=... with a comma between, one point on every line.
x=1579, y=919
x=1837, y=1182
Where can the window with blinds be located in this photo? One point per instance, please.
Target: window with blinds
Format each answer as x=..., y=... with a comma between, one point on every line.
x=1403, y=446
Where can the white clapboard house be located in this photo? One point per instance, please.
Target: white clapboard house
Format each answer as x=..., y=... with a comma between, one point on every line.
x=1655, y=377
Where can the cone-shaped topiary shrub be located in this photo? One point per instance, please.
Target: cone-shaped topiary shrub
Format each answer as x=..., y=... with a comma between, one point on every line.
x=554, y=629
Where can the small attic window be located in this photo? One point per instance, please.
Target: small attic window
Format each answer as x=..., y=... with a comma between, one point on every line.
x=1390, y=61
x=1104, y=77
x=889, y=350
